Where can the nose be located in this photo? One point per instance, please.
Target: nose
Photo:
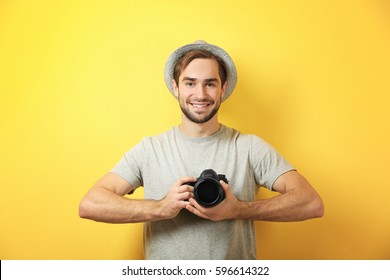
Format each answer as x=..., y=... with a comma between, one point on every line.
x=200, y=91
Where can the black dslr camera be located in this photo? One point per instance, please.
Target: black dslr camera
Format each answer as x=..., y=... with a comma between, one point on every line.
x=208, y=192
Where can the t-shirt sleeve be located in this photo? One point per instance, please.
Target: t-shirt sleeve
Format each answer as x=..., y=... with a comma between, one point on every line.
x=268, y=164
x=130, y=165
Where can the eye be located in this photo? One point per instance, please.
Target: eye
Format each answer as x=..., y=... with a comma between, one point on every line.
x=210, y=84
x=189, y=84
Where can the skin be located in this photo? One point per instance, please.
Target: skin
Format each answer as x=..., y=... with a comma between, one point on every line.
x=199, y=92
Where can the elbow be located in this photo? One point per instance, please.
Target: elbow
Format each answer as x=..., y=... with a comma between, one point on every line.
x=317, y=208
x=313, y=207
x=84, y=209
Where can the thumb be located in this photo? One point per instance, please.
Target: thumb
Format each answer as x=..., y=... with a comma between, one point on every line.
x=224, y=185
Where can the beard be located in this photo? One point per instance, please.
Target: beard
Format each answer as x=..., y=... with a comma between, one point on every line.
x=201, y=116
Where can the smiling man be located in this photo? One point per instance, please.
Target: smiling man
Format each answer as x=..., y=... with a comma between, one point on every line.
x=177, y=224
x=199, y=87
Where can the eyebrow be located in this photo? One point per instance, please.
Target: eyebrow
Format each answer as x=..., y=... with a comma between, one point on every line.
x=188, y=79
x=205, y=80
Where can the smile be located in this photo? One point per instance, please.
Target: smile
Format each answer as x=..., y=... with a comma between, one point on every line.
x=199, y=105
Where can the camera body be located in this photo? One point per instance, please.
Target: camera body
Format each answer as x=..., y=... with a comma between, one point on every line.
x=208, y=191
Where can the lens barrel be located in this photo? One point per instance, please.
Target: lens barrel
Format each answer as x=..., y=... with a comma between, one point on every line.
x=208, y=192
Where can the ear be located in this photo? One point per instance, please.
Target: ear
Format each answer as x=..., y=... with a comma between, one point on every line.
x=223, y=89
x=175, y=88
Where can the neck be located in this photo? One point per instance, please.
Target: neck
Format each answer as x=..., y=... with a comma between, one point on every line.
x=198, y=130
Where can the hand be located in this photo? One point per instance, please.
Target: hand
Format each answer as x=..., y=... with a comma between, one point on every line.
x=177, y=197
x=226, y=210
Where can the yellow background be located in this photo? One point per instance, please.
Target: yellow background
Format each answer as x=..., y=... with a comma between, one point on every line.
x=82, y=81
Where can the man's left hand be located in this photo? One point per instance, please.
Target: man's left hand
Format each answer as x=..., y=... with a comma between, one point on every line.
x=226, y=210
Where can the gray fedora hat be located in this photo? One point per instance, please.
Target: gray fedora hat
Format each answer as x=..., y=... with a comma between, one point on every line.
x=202, y=45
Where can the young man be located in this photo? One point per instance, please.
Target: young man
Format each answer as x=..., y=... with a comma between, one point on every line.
x=201, y=76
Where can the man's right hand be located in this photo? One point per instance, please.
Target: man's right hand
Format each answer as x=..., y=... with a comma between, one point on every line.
x=177, y=197
x=106, y=202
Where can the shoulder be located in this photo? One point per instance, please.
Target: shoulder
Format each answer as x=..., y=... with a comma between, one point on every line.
x=253, y=145
x=246, y=139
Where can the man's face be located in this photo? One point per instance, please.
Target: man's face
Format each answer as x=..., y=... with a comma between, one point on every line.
x=200, y=90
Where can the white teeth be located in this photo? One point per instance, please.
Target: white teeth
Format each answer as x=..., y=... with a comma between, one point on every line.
x=198, y=106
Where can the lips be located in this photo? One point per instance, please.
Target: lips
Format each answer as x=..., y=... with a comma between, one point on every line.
x=199, y=106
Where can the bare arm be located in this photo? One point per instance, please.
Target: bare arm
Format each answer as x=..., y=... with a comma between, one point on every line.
x=105, y=202
x=297, y=201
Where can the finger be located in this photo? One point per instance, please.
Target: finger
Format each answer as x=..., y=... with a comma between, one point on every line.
x=184, y=196
x=182, y=204
x=185, y=179
x=185, y=188
x=196, y=205
x=224, y=185
x=195, y=211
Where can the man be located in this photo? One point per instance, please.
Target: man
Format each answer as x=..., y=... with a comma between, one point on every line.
x=201, y=76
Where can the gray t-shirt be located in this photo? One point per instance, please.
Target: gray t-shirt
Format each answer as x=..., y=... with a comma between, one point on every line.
x=157, y=162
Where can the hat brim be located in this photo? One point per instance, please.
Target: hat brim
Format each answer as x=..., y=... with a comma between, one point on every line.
x=231, y=78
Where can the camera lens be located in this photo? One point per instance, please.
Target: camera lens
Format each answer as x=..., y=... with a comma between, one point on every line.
x=208, y=192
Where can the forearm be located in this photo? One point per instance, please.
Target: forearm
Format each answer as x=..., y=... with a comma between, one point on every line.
x=104, y=206
x=297, y=201
x=291, y=206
